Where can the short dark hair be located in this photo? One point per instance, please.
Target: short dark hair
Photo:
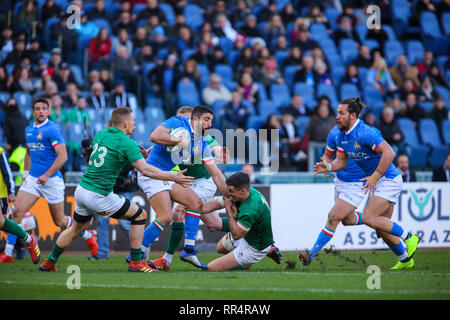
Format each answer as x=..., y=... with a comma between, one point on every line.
x=354, y=105
x=239, y=180
x=40, y=100
x=201, y=110
x=119, y=114
x=184, y=110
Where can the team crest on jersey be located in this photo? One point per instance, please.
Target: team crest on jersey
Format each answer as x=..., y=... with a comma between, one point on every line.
x=196, y=149
x=356, y=145
x=39, y=137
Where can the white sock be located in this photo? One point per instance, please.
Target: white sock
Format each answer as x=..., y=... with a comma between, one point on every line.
x=9, y=250
x=69, y=221
x=28, y=239
x=86, y=235
x=168, y=258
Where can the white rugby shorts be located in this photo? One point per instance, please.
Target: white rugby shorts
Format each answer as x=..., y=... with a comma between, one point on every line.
x=245, y=254
x=153, y=186
x=204, y=188
x=52, y=190
x=350, y=192
x=389, y=189
x=88, y=202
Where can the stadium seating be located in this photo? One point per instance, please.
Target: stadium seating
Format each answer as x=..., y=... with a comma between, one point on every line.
x=302, y=123
x=430, y=136
x=392, y=49
x=255, y=122
x=415, y=51
x=289, y=73
x=349, y=50
x=4, y=96
x=267, y=107
x=349, y=90
x=187, y=94
x=445, y=130
x=280, y=94
x=306, y=92
x=431, y=33
x=194, y=16
x=224, y=71
x=327, y=90
x=418, y=152
x=24, y=100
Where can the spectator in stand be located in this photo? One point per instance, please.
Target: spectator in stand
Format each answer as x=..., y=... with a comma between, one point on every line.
x=272, y=123
x=99, y=12
x=402, y=71
x=321, y=122
x=158, y=39
x=294, y=58
x=351, y=76
x=408, y=173
x=442, y=173
x=288, y=14
x=307, y=73
x=125, y=22
x=397, y=105
x=180, y=22
x=80, y=113
x=49, y=10
x=364, y=58
x=246, y=58
x=379, y=76
x=14, y=125
x=379, y=34
x=224, y=28
x=3, y=80
x=426, y=62
x=71, y=96
x=291, y=143
x=140, y=39
x=299, y=24
x=122, y=40
x=55, y=60
x=105, y=78
x=262, y=56
x=6, y=40
x=203, y=56
x=345, y=31
x=152, y=23
x=315, y=15
x=152, y=9
x=270, y=74
x=145, y=55
x=69, y=37
x=389, y=128
x=99, y=50
x=235, y=114
x=16, y=55
x=28, y=14
x=57, y=112
x=281, y=44
x=248, y=89
x=63, y=76
x=273, y=29
x=413, y=110
x=250, y=28
x=125, y=68
x=267, y=11
x=50, y=89
x=427, y=91
x=297, y=108
x=34, y=53
x=125, y=6
x=439, y=112
x=348, y=11
x=218, y=57
x=319, y=57
x=191, y=73
x=304, y=41
x=215, y=91
x=119, y=96
x=436, y=77
x=240, y=13
x=98, y=99
x=217, y=9
x=370, y=119
x=324, y=77
x=23, y=81
x=408, y=86
x=185, y=39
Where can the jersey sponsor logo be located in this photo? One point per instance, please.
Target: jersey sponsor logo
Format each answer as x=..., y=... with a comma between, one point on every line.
x=39, y=136
x=358, y=156
x=33, y=146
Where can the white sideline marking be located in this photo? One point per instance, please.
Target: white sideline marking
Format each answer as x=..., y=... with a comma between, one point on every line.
x=312, y=290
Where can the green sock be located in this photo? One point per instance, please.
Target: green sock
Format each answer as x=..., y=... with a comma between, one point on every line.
x=54, y=255
x=12, y=227
x=176, y=234
x=225, y=225
x=135, y=254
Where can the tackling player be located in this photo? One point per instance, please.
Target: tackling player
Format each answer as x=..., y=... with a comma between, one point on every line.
x=112, y=147
x=383, y=182
x=249, y=235
x=46, y=154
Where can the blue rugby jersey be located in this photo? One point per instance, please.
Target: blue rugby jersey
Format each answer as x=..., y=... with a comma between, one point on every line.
x=163, y=159
x=360, y=143
x=41, y=141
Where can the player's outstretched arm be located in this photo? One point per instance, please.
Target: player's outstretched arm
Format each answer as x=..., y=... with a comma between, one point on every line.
x=161, y=135
x=218, y=177
x=236, y=231
x=61, y=158
x=212, y=205
x=155, y=173
x=337, y=164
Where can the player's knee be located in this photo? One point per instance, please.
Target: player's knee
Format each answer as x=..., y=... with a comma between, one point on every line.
x=139, y=218
x=60, y=221
x=369, y=221
x=334, y=218
x=196, y=205
x=166, y=219
x=18, y=214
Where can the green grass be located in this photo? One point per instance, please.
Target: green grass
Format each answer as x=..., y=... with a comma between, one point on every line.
x=331, y=276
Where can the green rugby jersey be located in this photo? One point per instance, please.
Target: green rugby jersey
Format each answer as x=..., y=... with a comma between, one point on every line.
x=198, y=170
x=254, y=216
x=111, y=149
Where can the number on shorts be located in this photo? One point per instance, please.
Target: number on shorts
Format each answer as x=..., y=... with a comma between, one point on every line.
x=101, y=155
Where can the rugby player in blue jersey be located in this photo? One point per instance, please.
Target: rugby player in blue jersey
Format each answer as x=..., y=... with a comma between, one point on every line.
x=46, y=154
x=382, y=181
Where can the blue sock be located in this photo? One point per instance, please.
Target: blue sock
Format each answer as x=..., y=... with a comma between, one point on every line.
x=400, y=252
x=10, y=243
x=324, y=237
x=398, y=231
x=191, y=223
x=358, y=216
x=151, y=233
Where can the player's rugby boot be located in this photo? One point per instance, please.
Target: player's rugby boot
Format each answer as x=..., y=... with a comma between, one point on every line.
x=275, y=254
x=92, y=243
x=140, y=266
x=305, y=258
x=193, y=259
x=47, y=266
x=160, y=264
x=404, y=265
x=34, y=250
x=411, y=244
x=6, y=259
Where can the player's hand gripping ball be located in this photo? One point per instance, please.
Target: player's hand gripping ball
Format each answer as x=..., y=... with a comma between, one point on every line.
x=179, y=133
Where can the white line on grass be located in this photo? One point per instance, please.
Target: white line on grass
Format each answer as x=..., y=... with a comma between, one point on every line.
x=222, y=289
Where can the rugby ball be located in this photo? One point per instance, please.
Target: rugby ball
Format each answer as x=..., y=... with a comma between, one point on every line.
x=177, y=132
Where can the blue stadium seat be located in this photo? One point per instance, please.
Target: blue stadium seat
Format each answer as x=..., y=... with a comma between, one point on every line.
x=337, y=72
x=332, y=14
x=224, y=71
x=349, y=50
x=318, y=31
x=280, y=94
x=138, y=7
x=96, y=127
x=432, y=36
x=262, y=91
x=418, y=152
x=289, y=73
x=445, y=130
x=267, y=107
x=280, y=56
x=400, y=14
x=255, y=122
x=426, y=105
x=443, y=92
x=327, y=90
x=415, y=51
x=430, y=136
x=75, y=132
x=302, y=123
x=328, y=46
x=49, y=44
x=390, y=32
x=306, y=92
x=361, y=31
x=363, y=75
x=187, y=53
x=226, y=45
x=4, y=96
x=2, y=138
x=142, y=134
x=153, y=113
x=168, y=12
x=187, y=94
x=446, y=22
x=194, y=16
x=107, y=114
x=392, y=49
x=349, y=90
x=77, y=73
x=204, y=75
x=371, y=95
x=233, y=56
x=218, y=105
x=24, y=100
x=371, y=44
x=103, y=23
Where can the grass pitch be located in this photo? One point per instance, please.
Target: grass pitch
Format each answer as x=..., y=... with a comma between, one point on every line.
x=333, y=275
